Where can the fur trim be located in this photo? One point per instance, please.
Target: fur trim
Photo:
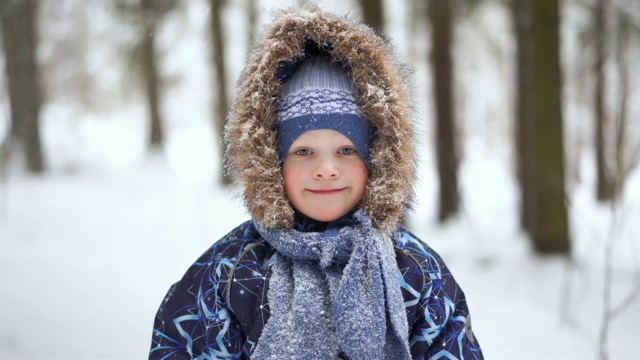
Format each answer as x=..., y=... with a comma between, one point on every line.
x=382, y=84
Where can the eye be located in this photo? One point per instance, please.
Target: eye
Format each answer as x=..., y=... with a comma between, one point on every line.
x=303, y=152
x=347, y=151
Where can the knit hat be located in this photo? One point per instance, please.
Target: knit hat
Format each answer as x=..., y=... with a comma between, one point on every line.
x=319, y=95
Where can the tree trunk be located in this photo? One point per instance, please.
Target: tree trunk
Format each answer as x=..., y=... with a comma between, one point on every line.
x=551, y=228
x=151, y=76
x=441, y=14
x=372, y=14
x=413, y=13
x=252, y=15
x=220, y=81
x=604, y=183
x=522, y=28
x=20, y=44
x=622, y=167
x=624, y=164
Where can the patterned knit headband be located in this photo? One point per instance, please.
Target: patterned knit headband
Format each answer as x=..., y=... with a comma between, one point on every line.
x=319, y=95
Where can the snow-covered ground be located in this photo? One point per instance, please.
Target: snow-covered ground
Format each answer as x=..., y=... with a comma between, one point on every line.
x=88, y=250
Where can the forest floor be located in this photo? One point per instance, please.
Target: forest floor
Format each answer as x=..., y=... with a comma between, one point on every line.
x=86, y=255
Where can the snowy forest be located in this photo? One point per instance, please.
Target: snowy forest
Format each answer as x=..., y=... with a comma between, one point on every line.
x=112, y=180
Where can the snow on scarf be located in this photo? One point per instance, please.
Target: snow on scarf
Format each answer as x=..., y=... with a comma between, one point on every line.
x=321, y=307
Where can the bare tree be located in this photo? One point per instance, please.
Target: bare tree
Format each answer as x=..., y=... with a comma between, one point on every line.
x=147, y=16
x=604, y=182
x=441, y=17
x=19, y=30
x=627, y=158
x=551, y=233
x=68, y=67
x=373, y=14
x=627, y=152
x=611, y=311
x=252, y=15
x=521, y=12
x=220, y=81
x=151, y=76
x=416, y=14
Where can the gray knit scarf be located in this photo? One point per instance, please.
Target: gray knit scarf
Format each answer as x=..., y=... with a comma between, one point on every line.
x=334, y=291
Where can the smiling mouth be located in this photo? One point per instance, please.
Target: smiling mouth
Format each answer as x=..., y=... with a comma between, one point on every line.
x=326, y=191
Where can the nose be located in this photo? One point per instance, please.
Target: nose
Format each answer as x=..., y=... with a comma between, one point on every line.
x=326, y=169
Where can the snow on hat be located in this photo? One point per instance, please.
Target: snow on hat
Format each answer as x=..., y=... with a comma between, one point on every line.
x=319, y=95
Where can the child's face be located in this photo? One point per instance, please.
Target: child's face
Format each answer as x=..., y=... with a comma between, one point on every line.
x=324, y=176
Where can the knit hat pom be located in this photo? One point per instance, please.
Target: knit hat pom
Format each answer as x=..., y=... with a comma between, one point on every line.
x=319, y=95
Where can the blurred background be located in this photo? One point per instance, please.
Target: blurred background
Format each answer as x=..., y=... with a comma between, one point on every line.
x=111, y=183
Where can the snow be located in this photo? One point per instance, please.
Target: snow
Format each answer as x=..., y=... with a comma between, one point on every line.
x=88, y=250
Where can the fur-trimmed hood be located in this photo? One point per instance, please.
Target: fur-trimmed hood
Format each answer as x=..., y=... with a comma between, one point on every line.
x=381, y=82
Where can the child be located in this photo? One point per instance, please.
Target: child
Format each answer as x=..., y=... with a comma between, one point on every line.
x=320, y=141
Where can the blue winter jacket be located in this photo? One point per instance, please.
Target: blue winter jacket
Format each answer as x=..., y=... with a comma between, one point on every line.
x=219, y=308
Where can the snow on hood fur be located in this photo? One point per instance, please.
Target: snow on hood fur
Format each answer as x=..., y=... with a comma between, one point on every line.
x=381, y=82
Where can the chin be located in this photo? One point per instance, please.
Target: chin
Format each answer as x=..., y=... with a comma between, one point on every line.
x=327, y=217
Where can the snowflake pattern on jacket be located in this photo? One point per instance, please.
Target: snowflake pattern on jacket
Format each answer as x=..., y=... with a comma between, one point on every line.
x=219, y=308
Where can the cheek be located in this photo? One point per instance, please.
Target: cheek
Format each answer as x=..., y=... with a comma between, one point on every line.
x=292, y=177
x=360, y=177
